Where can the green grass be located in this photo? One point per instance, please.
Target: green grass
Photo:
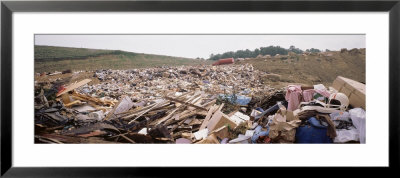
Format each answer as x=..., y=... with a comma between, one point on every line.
x=51, y=53
x=50, y=58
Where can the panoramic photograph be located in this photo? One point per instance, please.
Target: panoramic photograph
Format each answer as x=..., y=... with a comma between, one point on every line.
x=199, y=89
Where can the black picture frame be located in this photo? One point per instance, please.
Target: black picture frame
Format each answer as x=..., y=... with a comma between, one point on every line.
x=8, y=7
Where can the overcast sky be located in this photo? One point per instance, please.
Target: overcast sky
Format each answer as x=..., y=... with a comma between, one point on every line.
x=193, y=46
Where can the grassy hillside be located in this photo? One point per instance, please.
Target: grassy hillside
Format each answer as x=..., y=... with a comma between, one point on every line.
x=50, y=59
x=313, y=69
x=52, y=53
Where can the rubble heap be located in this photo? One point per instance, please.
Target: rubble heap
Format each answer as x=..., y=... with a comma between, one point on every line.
x=203, y=104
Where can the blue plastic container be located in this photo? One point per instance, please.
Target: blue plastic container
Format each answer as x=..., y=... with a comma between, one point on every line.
x=313, y=133
x=259, y=132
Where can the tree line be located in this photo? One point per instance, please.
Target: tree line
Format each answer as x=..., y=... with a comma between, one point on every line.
x=271, y=50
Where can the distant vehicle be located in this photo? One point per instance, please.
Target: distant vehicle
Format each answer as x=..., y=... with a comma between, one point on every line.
x=224, y=61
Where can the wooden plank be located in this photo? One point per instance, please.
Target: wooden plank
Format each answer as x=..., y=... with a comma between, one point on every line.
x=76, y=102
x=170, y=114
x=185, y=103
x=155, y=106
x=191, y=100
x=209, y=104
x=126, y=138
x=195, y=101
x=166, y=117
x=189, y=112
x=104, y=109
x=220, y=107
x=208, y=116
x=137, y=110
x=74, y=86
x=82, y=97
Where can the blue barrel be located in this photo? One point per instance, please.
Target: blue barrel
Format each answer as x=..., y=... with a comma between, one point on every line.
x=312, y=133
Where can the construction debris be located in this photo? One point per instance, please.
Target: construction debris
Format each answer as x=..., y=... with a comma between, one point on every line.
x=226, y=104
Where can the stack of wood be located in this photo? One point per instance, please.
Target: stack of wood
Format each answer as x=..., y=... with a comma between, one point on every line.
x=173, y=117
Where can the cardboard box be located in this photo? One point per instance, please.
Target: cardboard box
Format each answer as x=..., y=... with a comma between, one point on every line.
x=221, y=132
x=220, y=119
x=211, y=139
x=354, y=90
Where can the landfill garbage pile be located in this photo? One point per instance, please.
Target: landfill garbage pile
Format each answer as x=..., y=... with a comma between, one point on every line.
x=194, y=105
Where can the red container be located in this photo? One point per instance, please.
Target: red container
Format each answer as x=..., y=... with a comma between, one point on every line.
x=224, y=61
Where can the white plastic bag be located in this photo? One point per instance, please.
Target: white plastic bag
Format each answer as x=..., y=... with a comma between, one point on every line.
x=344, y=135
x=358, y=117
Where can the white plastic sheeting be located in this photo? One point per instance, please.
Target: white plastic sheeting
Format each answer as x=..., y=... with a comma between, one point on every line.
x=358, y=117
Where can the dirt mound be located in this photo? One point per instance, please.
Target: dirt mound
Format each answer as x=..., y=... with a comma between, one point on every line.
x=312, y=69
